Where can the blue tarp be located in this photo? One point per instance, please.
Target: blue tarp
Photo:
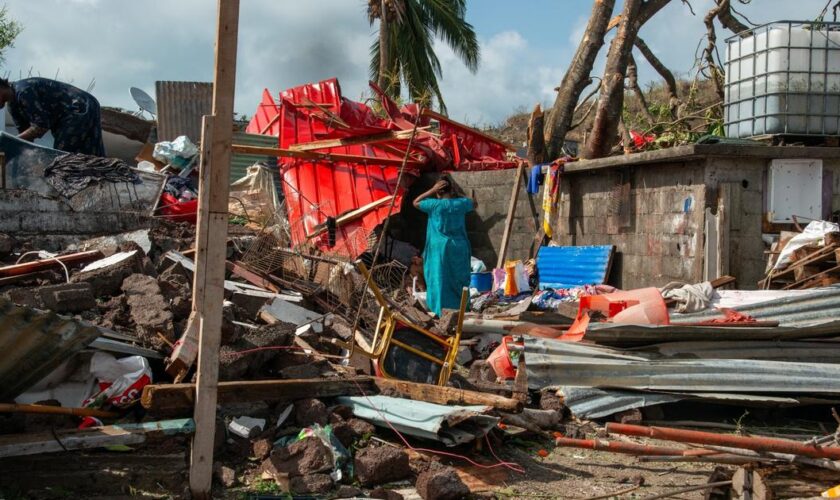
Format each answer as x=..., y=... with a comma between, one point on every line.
x=569, y=267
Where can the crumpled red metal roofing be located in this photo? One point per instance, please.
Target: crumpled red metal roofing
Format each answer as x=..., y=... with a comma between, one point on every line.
x=318, y=189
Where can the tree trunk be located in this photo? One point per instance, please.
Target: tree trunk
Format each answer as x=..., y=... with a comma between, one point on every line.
x=536, y=136
x=384, y=48
x=633, y=84
x=610, y=104
x=577, y=76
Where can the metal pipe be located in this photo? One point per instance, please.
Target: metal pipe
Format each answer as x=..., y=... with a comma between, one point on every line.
x=712, y=459
x=711, y=438
x=616, y=447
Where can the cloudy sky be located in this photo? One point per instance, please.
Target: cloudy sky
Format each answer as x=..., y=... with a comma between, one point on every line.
x=112, y=45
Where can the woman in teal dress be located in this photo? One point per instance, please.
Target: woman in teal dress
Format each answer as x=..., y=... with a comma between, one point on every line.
x=446, y=258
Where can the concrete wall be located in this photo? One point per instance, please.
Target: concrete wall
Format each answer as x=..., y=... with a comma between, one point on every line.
x=657, y=230
x=486, y=225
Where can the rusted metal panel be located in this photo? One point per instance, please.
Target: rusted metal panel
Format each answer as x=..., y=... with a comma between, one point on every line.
x=34, y=343
x=181, y=105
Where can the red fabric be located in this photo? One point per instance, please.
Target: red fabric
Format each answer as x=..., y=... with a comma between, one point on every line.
x=178, y=211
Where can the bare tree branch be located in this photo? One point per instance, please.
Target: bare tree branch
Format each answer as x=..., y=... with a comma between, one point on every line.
x=664, y=72
x=633, y=84
x=729, y=21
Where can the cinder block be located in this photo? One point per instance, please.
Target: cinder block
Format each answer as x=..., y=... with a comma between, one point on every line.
x=68, y=297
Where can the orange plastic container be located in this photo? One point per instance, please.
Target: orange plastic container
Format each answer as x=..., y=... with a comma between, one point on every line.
x=499, y=359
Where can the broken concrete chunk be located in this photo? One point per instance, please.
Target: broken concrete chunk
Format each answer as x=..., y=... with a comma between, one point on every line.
x=379, y=465
x=63, y=298
x=441, y=483
x=309, y=412
x=261, y=448
x=385, y=494
x=308, y=456
x=148, y=309
x=224, y=474
x=347, y=491
x=7, y=245
x=311, y=484
x=107, y=275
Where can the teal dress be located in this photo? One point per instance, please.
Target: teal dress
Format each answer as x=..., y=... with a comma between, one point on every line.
x=446, y=258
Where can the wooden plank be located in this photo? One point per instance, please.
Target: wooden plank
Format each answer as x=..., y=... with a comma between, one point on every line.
x=352, y=215
x=238, y=269
x=211, y=245
x=389, y=136
x=803, y=272
x=514, y=198
x=43, y=264
x=167, y=398
x=311, y=155
x=823, y=254
x=798, y=284
x=442, y=118
x=57, y=410
x=443, y=395
x=16, y=445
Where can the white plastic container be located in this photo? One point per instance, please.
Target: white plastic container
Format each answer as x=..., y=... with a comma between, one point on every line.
x=784, y=79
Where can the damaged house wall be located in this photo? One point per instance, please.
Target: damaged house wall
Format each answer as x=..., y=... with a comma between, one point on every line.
x=660, y=209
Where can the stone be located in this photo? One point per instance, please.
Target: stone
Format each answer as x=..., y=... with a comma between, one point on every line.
x=441, y=483
x=148, y=309
x=352, y=430
x=347, y=491
x=379, y=465
x=233, y=366
x=261, y=448
x=311, y=484
x=309, y=456
x=68, y=297
x=106, y=276
x=224, y=474
x=385, y=494
x=310, y=411
x=549, y=400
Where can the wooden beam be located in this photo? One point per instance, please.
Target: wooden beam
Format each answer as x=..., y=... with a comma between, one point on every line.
x=16, y=445
x=352, y=215
x=442, y=118
x=168, y=398
x=42, y=264
x=238, y=269
x=57, y=410
x=211, y=244
x=311, y=155
x=514, y=198
x=443, y=395
x=392, y=135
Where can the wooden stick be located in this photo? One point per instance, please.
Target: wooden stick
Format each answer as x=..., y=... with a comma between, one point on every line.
x=514, y=197
x=352, y=215
x=443, y=395
x=441, y=118
x=208, y=289
x=57, y=410
x=389, y=136
x=312, y=155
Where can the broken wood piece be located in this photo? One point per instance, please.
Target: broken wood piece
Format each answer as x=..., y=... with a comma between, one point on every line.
x=514, y=198
x=158, y=398
x=16, y=445
x=42, y=264
x=57, y=410
x=444, y=395
x=389, y=136
x=239, y=269
x=352, y=215
x=312, y=155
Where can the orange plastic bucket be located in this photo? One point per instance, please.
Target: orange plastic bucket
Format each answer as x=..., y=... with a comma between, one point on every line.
x=500, y=360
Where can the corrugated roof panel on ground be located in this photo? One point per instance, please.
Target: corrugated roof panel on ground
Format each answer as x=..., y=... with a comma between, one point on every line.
x=569, y=267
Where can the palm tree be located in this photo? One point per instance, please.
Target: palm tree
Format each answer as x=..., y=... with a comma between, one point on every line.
x=404, y=51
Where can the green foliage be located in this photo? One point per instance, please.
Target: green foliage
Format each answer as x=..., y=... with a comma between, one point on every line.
x=9, y=30
x=412, y=60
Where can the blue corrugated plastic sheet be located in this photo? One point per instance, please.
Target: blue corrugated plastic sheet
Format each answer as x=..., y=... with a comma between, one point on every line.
x=569, y=267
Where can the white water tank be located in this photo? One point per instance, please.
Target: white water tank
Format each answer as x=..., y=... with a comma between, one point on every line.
x=784, y=79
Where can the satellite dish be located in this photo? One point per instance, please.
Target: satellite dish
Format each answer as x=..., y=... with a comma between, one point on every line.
x=143, y=100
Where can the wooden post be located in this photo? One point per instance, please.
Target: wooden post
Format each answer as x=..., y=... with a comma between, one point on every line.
x=514, y=198
x=211, y=239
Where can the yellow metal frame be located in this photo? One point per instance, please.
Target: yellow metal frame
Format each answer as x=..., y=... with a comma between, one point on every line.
x=390, y=320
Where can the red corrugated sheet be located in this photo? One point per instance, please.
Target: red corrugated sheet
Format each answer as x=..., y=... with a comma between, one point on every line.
x=316, y=190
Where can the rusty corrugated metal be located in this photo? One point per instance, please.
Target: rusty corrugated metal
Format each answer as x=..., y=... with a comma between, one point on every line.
x=34, y=343
x=181, y=105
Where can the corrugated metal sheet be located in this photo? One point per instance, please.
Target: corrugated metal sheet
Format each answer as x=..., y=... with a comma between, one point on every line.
x=627, y=335
x=34, y=343
x=556, y=363
x=821, y=306
x=587, y=402
x=181, y=105
x=569, y=267
x=450, y=424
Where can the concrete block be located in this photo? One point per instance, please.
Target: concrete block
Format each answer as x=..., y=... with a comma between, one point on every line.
x=68, y=297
